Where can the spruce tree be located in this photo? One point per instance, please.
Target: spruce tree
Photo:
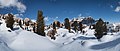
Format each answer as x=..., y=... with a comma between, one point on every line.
x=67, y=24
x=105, y=29
x=80, y=26
x=20, y=24
x=58, y=24
x=10, y=21
x=26, y=22
x=99, y=29
x=40, y=23
x=54, y=26
x=34, y=28
x=75, y=25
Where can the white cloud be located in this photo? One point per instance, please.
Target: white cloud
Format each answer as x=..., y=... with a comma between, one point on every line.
x=56, y=17
x=46, y=19
x=117, y=9
x=21, y=7
x=18, y=15
x=80, y=15
x=13, y=3
x=119, y=3
x=7, y=3
x=111, y=6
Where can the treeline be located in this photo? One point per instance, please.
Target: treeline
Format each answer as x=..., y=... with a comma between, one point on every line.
x=39, y=26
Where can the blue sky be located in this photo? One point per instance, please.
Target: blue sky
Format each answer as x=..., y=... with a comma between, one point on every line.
x=109, y=10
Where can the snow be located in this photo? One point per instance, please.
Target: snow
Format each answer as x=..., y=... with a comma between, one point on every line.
x=27, y=41
x=4, y=47
x=89, y=31
x=22, y=40
x=63, y=36
x=33, y=20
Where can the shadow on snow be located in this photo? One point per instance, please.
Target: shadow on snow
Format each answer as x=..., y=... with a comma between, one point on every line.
x=106, y=45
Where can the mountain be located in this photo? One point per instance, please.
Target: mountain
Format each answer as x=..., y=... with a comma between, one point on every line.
x=85, y=20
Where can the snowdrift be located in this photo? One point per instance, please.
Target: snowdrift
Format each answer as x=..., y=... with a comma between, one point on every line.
x=22, y=40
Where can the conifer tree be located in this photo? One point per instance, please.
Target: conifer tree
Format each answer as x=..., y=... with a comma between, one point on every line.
x=10, y=21
x=58, y=24
x=54, y=26
x=75, y=25
x=67, y=24
x=20, y=24
x=105, y=29
x=80, y=26
x=34, y=28
x=40, y=24
x=100, y=29
x=27, y=22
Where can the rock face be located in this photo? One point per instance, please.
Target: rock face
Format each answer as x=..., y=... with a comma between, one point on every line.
x=57, y=23
x=88, y=21
x=51, y=33
x=85, y=20
x=26, y=21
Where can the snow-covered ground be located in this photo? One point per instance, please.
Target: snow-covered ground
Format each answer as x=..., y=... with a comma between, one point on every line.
x=21, y=40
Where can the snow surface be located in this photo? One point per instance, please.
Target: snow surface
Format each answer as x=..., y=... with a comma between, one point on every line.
x=22, y=40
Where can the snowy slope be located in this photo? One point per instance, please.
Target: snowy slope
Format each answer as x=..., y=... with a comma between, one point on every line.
x=21, y=40
x=27, y=41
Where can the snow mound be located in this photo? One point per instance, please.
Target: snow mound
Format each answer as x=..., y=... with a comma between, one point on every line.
x=22, y=40
x=4, y=47
x=63, y=36
x=27, y=41
x=110, y=44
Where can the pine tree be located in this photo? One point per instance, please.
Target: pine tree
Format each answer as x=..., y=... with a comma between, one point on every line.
x=75, y=25
x=34, y=28
x=54, y=26
x=20, y=24
x=99, y=29
x=80, y=26
x=67, y=24
x=40, y=23
x=26, y=22
x=58, y=24
x=10, y=21
x=105, y=29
